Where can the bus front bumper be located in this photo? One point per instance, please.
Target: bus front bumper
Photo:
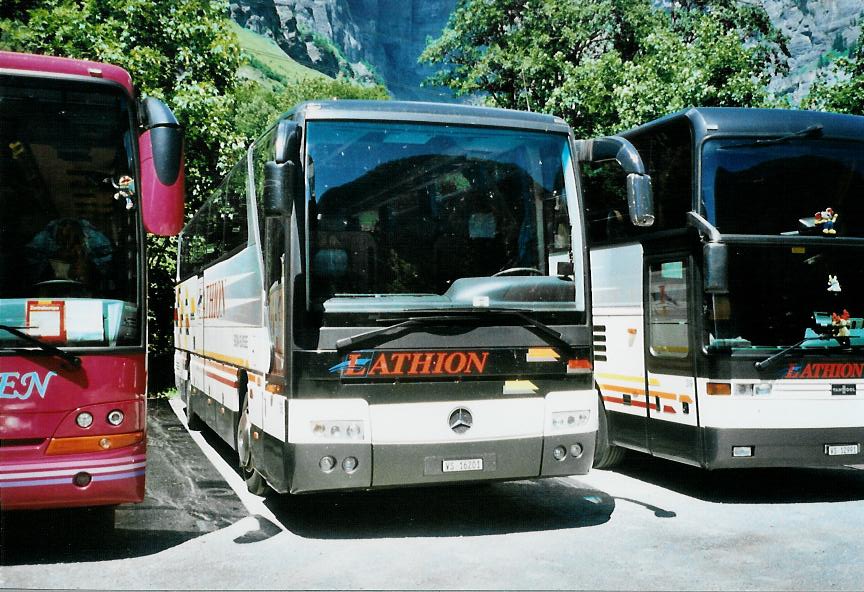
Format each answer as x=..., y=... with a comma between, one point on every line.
x=72, y=480
x=383, y=465
x=727, y=448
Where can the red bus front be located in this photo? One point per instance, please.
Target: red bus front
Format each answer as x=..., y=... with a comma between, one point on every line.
x=72, y=284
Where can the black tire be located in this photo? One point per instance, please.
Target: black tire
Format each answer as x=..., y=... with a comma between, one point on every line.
x=606, y=455
x=255, y=483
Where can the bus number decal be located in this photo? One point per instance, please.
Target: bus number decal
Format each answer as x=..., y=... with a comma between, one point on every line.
x=389, y=364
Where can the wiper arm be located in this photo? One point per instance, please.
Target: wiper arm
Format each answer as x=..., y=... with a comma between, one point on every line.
x=550, y=335
x=811, y=131
x=770, y=360
x=72, y=359
x=410, y=322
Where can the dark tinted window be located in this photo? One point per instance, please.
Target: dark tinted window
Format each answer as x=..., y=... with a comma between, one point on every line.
x=784, y=187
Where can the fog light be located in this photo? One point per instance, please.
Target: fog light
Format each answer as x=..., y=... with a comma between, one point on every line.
x=116, y=417
x=559, y=453
x=576, y=450
x=327, y=463
x=349, y=465
x=741, y=451
x=82, y=479
x=84, y=420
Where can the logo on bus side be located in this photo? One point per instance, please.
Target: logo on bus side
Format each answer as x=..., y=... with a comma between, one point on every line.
x=391, y=364
x=813, y=370
x=14, y=385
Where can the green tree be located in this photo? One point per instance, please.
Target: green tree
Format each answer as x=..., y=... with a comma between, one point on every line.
x=181, y=51
x=607, y=64
x=846, y=93
x=258, y=107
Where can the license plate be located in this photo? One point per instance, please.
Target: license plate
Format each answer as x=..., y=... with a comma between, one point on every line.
x=843, y=389
x=465, y=464
x=841, y=449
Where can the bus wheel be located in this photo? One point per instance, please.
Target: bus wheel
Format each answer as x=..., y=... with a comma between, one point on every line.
x=255, y=483
x=606, y=455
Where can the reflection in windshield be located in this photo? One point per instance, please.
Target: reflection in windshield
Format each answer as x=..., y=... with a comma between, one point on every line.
x=780, y=295
x=410, y=209
x=788, y=187
x=68, y=217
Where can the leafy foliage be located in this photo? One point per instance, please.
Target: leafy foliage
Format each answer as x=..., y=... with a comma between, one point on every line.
x=608, y=64
x=846, y=95
x=257, y=107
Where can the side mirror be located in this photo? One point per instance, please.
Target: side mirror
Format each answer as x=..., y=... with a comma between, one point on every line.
x=716, y=268
x=160, y=148
x=639, y=195
x=640, y=199
x=276, y=200
x=282, y=175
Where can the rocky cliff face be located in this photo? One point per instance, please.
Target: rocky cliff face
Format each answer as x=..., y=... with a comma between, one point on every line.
x=364, y=40
x=381, y=39
x=818, y=31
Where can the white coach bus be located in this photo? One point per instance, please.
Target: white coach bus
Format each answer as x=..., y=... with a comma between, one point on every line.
x=385, y=293
x=729, y=334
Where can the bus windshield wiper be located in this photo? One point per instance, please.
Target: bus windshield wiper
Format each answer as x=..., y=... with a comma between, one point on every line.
x=72, y=359
x=795, y=346
x=811, y=131
x=435, y=317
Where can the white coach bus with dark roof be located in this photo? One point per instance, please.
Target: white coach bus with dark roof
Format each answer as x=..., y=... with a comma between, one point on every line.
x=729, y=334
x=386, y=293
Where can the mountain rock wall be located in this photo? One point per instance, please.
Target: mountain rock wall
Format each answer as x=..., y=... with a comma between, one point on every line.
x=380, y=40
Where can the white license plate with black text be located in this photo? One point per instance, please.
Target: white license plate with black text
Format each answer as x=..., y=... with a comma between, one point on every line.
x=465, y=464
x=841, y=449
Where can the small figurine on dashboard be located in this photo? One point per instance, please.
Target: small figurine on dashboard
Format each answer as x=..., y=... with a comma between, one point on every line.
x=826, y=219
x=834, y=284
x=840, y=325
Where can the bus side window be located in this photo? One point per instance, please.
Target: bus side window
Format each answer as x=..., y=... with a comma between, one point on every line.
x=667, y=309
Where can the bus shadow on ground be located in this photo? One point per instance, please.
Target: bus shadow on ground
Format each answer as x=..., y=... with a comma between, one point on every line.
x=185, y=498
x=748, y=486
x=445, y=510
x=45, y=537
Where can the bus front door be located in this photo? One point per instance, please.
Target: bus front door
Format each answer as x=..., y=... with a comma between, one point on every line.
x=672, y=424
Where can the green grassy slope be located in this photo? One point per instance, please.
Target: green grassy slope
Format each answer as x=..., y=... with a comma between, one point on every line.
x=268, y=63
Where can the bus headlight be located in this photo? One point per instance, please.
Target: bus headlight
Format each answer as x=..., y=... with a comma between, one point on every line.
x=84, y=420
x=338, y=429
x=116, y=417
x=568, y=420
x=762, y=389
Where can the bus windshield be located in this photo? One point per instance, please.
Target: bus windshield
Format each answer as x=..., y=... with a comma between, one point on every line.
x=762, y=310
x=789, y=186
x=69, y=221
x=410, y=216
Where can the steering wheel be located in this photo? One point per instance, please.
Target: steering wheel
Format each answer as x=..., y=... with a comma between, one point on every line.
x=518, y=271
x=61, y=288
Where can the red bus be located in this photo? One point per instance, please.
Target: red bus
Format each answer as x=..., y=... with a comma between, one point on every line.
x=86, y=167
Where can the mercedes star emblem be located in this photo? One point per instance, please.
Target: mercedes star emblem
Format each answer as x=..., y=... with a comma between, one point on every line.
x=461, y=420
